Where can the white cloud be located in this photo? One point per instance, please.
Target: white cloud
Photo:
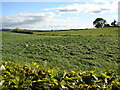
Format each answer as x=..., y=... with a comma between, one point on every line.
x=39, y=21
x=102, y=1
x=106, y=1
x=96, y=7
x=26, y=19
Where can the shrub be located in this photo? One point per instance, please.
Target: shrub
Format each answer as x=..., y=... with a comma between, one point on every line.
x=22, y=31
x=35, y=77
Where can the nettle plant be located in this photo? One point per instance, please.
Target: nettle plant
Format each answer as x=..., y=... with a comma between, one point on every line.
x=43, y=77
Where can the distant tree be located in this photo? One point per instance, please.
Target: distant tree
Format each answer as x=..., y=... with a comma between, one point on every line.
x=114, y=23
x=5, y=29
x=107, y=25
x=17, y=30
x=99, y=22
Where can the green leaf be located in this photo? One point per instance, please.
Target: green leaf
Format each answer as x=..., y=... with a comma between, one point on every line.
x=14, y=81
x=92, y=71
x=62, y=83
x=106, y=76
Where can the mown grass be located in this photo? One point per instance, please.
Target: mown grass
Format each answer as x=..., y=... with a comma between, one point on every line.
x=94, y=49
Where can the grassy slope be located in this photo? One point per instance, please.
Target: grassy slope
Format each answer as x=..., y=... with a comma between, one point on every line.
x=83, y=52
x=99, y=31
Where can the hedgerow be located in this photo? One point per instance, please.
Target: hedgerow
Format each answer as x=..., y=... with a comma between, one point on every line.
x=22, y=31
x=31, y=76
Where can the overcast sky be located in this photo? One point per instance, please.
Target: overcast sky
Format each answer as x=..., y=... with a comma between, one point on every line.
x=76, y=14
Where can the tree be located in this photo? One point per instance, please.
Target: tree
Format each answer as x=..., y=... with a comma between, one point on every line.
x=114, y=23
x=107, y=25
x=99, y=22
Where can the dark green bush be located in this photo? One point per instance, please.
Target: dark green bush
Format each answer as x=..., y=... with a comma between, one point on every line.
x=22, y=31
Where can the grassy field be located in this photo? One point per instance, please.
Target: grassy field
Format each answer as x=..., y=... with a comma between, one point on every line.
x=98, y=31
x=93, y=49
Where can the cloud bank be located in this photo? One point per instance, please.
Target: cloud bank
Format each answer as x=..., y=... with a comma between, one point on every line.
x=48, y=19
x=95, y=7
x=26, y=19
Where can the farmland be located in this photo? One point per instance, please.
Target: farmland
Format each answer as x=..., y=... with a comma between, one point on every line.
x=54, y=60
x=91, y=49
x=98, y=31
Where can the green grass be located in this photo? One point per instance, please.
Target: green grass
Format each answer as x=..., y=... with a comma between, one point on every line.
x=94, y=49
x=98, y=31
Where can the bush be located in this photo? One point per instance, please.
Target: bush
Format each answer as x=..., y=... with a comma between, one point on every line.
x=107, y=25
x=35, y=77
x=22, y=31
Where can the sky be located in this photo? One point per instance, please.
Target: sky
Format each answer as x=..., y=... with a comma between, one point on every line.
x=73, y=14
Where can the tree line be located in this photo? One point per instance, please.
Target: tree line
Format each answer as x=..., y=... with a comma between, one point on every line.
x=100, y=23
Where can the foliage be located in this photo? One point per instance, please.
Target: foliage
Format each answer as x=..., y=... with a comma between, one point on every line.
x=99, y=22
x=6, y=29
x=107, y=25
x=114, y=24
x=22, y=31
x=35, y=77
